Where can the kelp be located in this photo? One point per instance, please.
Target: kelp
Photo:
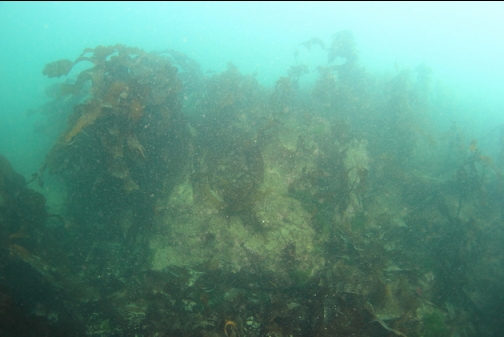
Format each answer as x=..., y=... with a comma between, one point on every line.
x=118, y=140
x=58, y=68
x=237, y=183
x=343, y=45
x=91, y=112
x=229, y=164
x=232, y=89
x=314, y=41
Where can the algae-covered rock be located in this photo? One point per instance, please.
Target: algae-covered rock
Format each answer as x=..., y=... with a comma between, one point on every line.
x=434, y=325
x=198, y=236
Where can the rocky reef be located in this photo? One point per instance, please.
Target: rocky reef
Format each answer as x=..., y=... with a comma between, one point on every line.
x=200, y=205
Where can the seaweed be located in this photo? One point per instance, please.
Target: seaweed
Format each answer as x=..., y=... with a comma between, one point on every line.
x=229, y=163
x=238, y=184
x=325, y=190
x=343, y=45
x=434, y=325
x=58, y=68
x=91, y=112
x=131, y=116
x=314, y=41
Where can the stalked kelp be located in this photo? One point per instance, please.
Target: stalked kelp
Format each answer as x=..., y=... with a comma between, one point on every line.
x=126, y=144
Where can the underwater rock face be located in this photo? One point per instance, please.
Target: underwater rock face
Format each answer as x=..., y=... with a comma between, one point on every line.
x=22, y=210
x=208, y=205
x=198, y=236
x=30, y=288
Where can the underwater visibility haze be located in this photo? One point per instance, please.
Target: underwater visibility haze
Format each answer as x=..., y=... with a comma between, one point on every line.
x=251, y=169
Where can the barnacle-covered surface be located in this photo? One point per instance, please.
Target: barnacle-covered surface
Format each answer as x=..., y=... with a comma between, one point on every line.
x=212, y=206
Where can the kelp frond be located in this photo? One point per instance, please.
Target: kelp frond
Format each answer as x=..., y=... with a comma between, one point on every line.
x=58, y=68
x=91, y=114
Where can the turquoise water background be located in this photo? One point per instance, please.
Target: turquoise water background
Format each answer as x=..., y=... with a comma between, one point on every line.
x=461, y=42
